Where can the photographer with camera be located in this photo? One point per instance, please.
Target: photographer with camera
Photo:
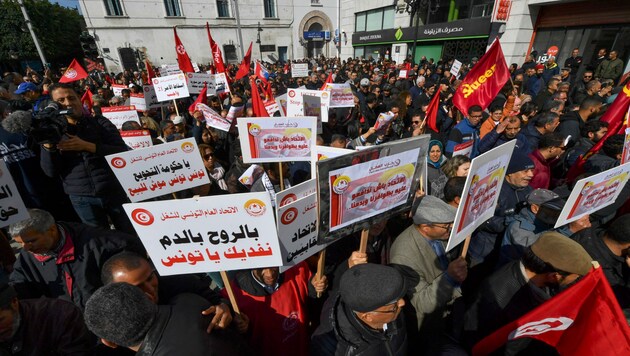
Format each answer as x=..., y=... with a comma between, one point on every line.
x=73, y=146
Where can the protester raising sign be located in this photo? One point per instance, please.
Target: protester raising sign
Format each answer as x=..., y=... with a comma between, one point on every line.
x=213, y=119
x=12, y=209
x=208, y=234
x=295, y=102
x=158, y=170
x=299, y=70
x=358, y=188
x=118, y=115
x=278, y=139
x=136, y=139
x=196, y=81
x=482, y=189
x=341, y=95
x=170, y=87
x=594, y=193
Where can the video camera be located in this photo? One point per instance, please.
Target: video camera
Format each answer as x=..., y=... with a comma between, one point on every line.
x=50, y=124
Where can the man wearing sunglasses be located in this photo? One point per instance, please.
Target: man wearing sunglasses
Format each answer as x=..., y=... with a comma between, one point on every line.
x=419, y=253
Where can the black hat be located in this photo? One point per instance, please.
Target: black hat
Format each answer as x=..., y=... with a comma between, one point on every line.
x=369, y=286
x=519, y=162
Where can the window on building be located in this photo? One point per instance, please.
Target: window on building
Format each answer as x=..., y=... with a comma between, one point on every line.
x=230, y=53
x=113, y=8
x=223, y=8
x=316, y=2
x=172, y=8
x=270, y=8
x=374, y=20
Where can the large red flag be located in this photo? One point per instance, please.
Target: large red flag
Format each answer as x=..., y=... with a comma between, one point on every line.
x=243, y=69
x=484, y=81
x=201, y=99
x=615, y=117
x=217, y=56
x=185, y=65
x=73, y=73
x=257, y=104
x=87, y=100
x=150, y=71
x=583, y=320
x=432, y=110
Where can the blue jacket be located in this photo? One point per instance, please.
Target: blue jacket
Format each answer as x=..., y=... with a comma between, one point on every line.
x=463, y=132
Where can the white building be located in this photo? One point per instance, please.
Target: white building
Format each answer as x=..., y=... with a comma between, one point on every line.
x=125, y=27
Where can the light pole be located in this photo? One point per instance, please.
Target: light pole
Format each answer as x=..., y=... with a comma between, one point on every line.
x=30, y=29
x=258, y=41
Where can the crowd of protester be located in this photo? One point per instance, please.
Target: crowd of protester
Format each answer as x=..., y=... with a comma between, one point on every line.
x=405, y=295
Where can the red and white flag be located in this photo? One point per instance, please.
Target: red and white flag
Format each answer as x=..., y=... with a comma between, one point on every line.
x=257, y=103
x=201, y=99
x=87, y=100
x=185, y=65
x=217, y=56
x=484, y=81
x=243, y=69
x=73, y=73
x=583, y=320
x=261, y=72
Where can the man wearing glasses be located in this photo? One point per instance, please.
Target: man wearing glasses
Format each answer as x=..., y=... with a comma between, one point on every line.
x=419, y=253
x=579, y=87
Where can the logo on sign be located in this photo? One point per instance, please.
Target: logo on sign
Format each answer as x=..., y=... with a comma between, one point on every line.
x=142, y=217
x=289, y=216
x=188, y=147
x=255, y=207
x=254, y=130
x=71, y=73
x=290, y=198
x=341, y=184
x=155, y=81
x=118, y=162
x=291, y=93
x=181, y=49
x=541, y=327
x=325, y=94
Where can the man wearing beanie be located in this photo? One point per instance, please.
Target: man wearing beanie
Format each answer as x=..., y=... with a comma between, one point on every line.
x=419, y=253
x=42, y=326
x=552, y=263
x=121, y=315
x=364, y=317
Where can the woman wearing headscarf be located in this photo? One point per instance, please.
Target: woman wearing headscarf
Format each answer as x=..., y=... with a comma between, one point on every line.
x=436, y=177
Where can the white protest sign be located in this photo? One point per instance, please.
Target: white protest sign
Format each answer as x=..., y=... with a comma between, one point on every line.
x=197, y=80
x=299, y=70
x=463, y=149
x=341, y=95
x=195, y=67
x=625, y=156
x=481, y=192
x=170, y=87
x=455, y=68
x=297, y=230
x=150, y=172
x=272, y=107
x=12, y=209
x=296, y=192
x=118, y=88
x=313, y=107
x=250, y=175
x=213, y=119
x=118, y=115
x=282, y=101
x=295, y=102
x=234, y=112
x=136, y=139
x=221, y=84
x=169, y=69
x=594, y=193
x=382, y=122
x=150, y=98
x=137, y=101
x=402, y=74
x=325, y=152
x=277, y=139
x=208, y=234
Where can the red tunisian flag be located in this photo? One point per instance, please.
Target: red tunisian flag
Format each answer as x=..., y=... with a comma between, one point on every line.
x=201, y=99
x=73, y=73
x=257, y=104
x=484, y=81
x=243, y=69
x=217, y=56
x=432, y=110
x=150, y=71
x=185, y=65
x=615, y=117
x=583, y=320
x=87, y=100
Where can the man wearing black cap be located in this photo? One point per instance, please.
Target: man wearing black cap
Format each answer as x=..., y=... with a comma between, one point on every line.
x=41, y=327
x=419, y=253
x=364, y=317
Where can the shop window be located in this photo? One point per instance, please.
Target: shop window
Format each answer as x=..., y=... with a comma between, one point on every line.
x=113, y=8
x=360, y=22
x=223, y=8
x=172, y=8
x=374, y=20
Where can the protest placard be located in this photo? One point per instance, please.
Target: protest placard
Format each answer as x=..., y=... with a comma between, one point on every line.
x=296, y=192
x=297, y=230
x=169, y=69
x=234, y=112
x=383, y=121
x=594, y=193
x=325, y=152
x=295, y=102
x=341, y=95
x=481, y=192
x=625, y=156
x=12, y=209
x=457, y=65
x=313, y=107
x=208, y=234
x=250, y=175
x=359, y=188
x=277, y=139
x=170, y=87
x=463, y=149
x=197, y=80
x=150, y=172
x=136, y=139
x=299, y=70
x=137, y=101
x=118, y=115
x=282, y=101
x=150, y=98
x=221, y=84
x=402, y=74
x=118, y=88
x=213, y=119
x=272, y=107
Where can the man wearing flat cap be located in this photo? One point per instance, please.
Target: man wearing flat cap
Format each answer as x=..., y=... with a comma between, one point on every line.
x=364, y=317
x=434, y=276
x=552, y=263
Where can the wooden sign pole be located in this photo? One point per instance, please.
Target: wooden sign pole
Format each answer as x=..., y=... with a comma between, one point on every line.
x=320, y=268
x=176, y=109
x=364, y=240
x=466, y=244
x=281, y=176
x=228, y=288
